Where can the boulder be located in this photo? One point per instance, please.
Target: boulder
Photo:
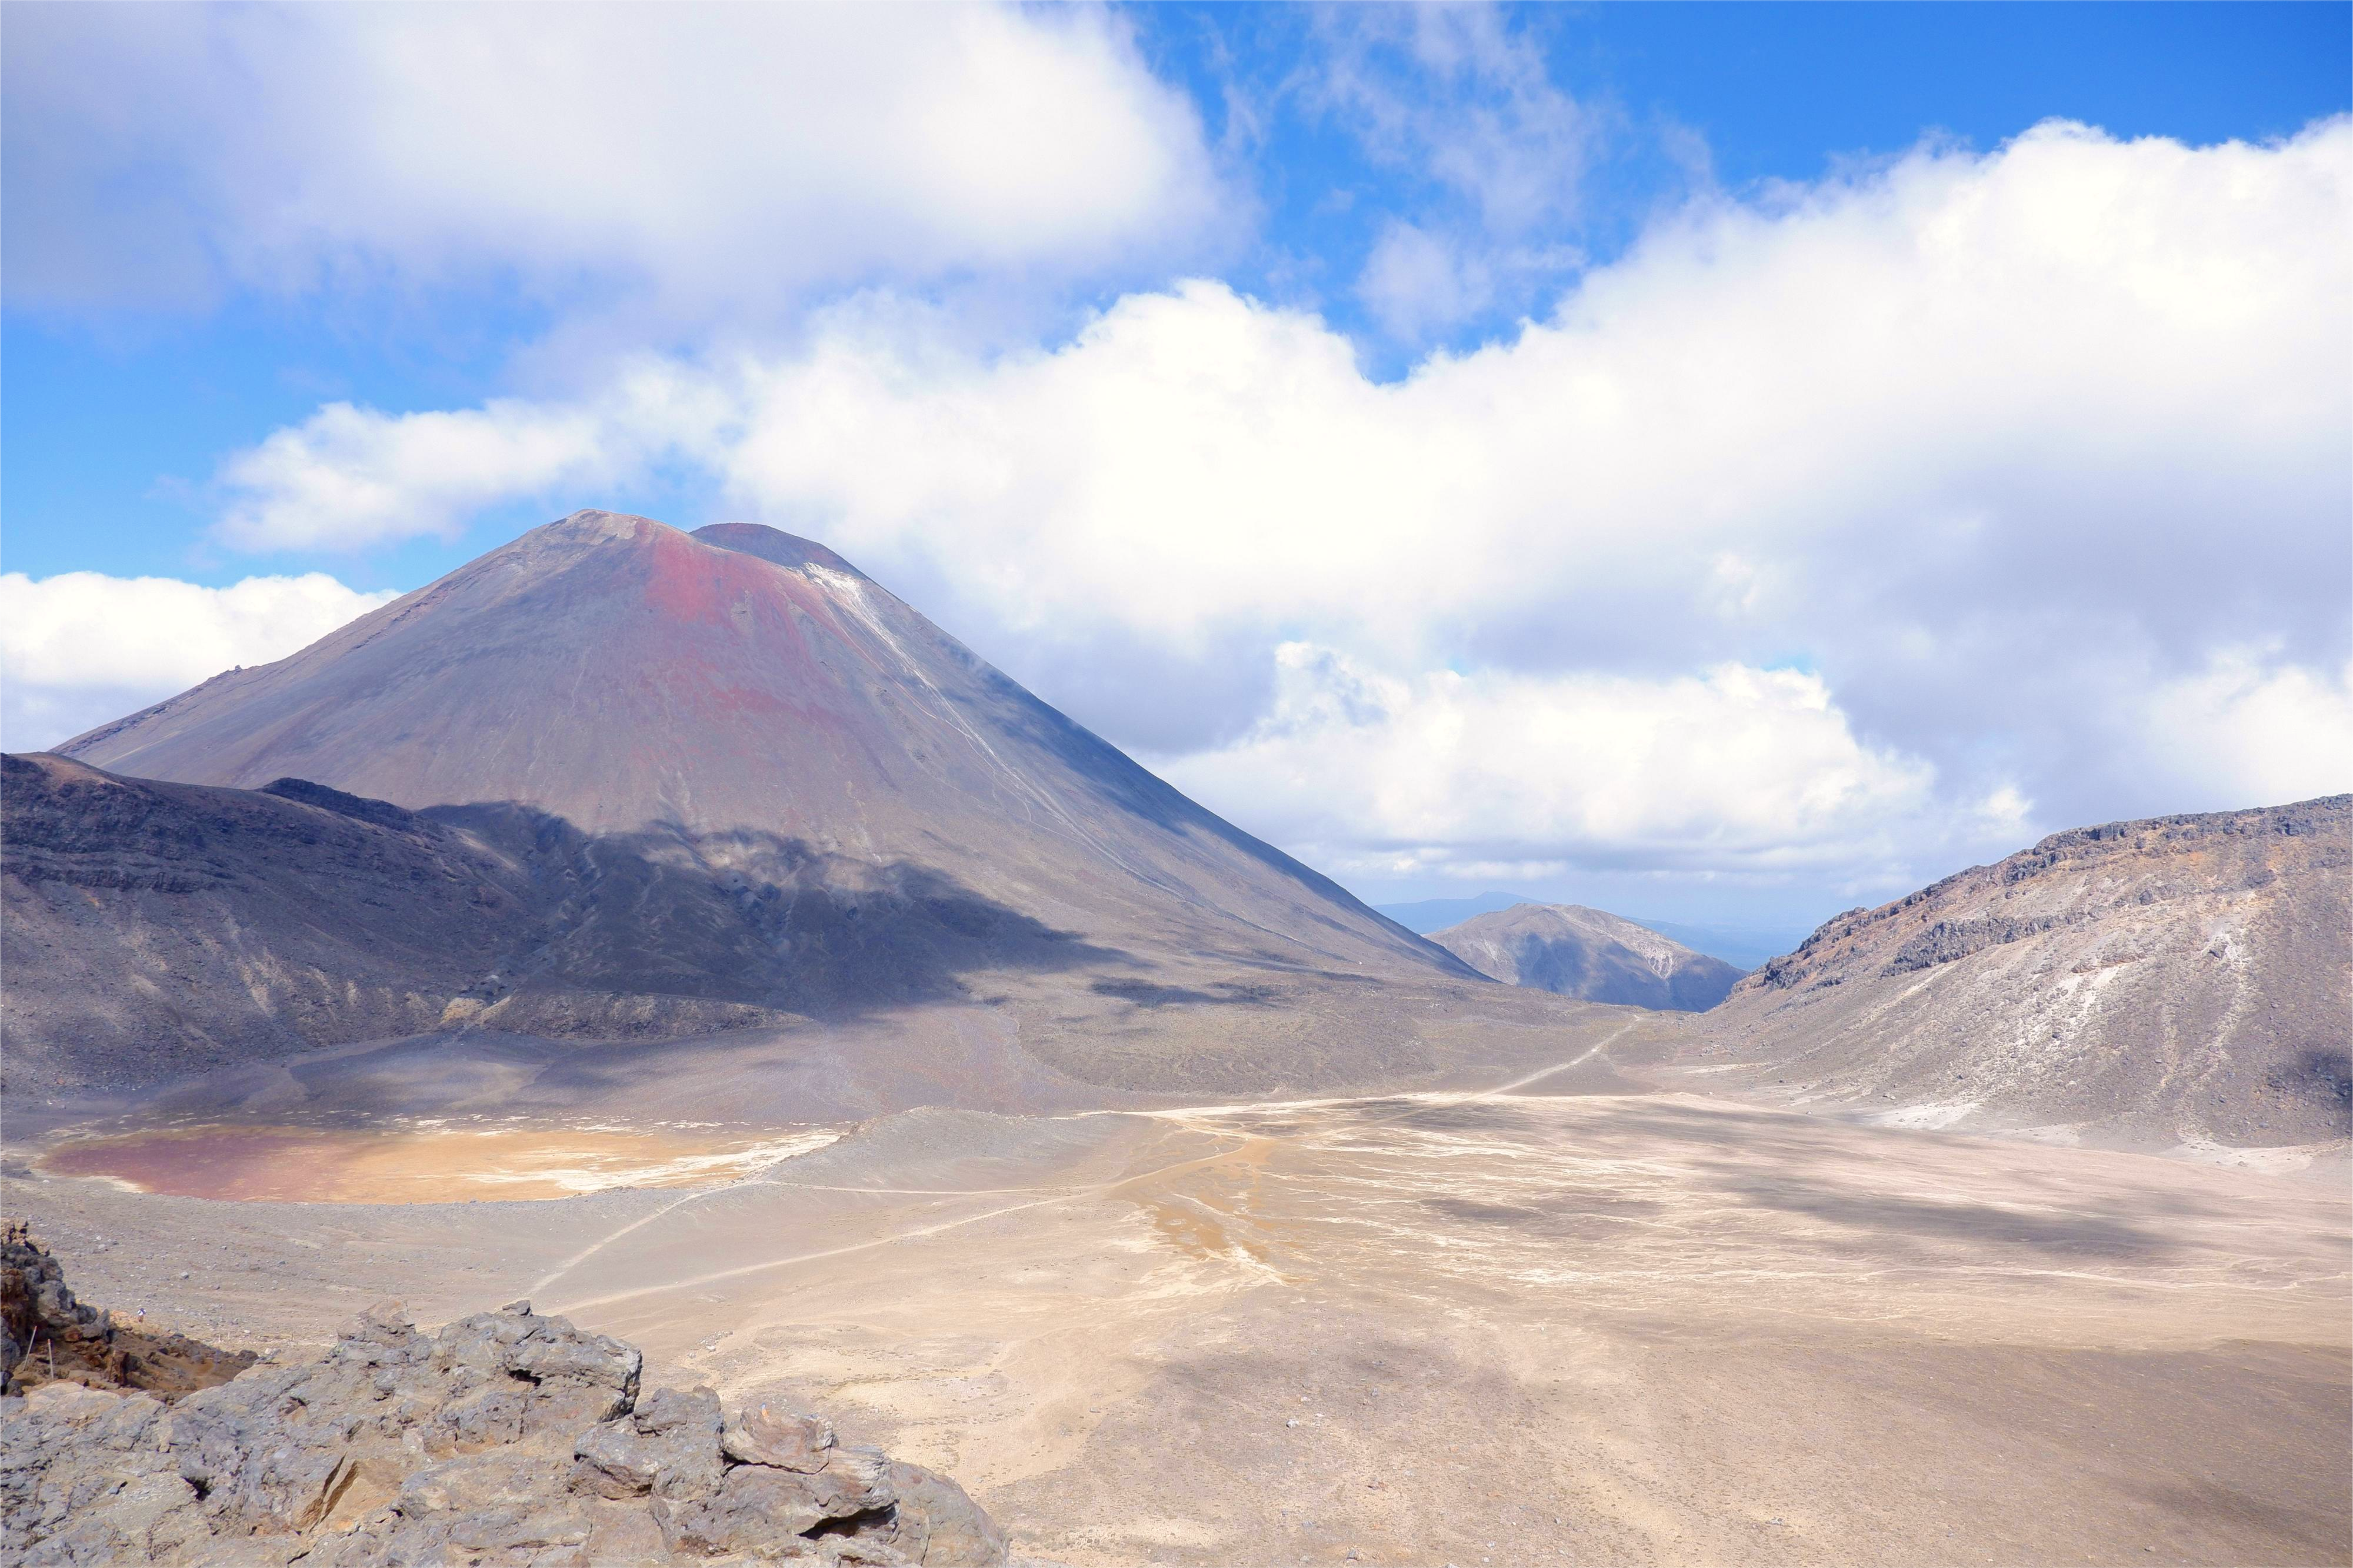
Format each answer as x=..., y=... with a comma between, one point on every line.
x=938, y=1524
x=784, y=1441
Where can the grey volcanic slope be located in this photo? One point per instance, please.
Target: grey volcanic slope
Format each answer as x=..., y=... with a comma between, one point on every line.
x=149, y=927
x=2183, y=978
x=742, y=700
x=157, y=930
x=1576, y=952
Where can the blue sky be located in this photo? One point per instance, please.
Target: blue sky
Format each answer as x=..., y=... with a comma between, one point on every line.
x=1367, y=224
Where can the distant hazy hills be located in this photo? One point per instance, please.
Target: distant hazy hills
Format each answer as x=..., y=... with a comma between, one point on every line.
x=1573, y=951
x=1740, y=946
x=2179, y=978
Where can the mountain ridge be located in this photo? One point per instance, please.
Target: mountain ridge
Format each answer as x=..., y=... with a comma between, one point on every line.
x=625, y=676
x=1743, y=947
x=2175, y=979
x=615, y=782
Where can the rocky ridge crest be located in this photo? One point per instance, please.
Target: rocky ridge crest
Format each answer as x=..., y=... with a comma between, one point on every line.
x=2177, y=979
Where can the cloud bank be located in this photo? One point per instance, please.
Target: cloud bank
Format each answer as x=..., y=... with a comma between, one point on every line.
x=704, y=159
x=1852, y=529
x=1515, y=777
x=82, y=648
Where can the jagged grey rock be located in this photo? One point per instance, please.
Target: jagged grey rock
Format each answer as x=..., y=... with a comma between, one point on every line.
x=779, y=1439
x=507, y=1437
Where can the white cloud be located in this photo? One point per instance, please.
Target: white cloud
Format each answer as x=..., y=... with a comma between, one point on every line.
x=1416, y=281
x=349, y=478
x=80, y=648
x=1735, y=769
x=2004, y=449
x=2250, y=730
x=1465, y=107
x=1454, y=93
x=719, y=158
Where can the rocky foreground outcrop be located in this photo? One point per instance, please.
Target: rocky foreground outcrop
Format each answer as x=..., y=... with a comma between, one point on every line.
x=505, y=1438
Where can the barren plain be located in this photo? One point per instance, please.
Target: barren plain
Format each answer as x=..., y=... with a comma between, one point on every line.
x=1544, y=1309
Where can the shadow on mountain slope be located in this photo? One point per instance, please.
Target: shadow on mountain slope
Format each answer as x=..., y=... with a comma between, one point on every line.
x=754, y=918
x=155, y=930
x=1144, y=993
x=2317, y=1073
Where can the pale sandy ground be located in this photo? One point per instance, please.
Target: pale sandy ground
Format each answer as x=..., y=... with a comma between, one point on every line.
x=1566, y=1321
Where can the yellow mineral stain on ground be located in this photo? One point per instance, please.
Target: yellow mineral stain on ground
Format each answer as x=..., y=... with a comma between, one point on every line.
x=414, y=1165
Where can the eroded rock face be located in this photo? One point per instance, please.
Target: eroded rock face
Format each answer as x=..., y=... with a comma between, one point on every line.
x=2178, y=980
x=2181, y=978
x=45, y=1335
x=507, y=1437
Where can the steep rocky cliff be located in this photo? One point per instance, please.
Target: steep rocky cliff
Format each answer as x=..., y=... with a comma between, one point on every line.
x=2182, y=978
x=46, y=1336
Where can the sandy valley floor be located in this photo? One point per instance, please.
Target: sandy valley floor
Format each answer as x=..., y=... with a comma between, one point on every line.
x=1561, y=1316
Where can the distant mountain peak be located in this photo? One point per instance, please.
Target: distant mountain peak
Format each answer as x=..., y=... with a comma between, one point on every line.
x=748, y=693
x=1590, y=953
